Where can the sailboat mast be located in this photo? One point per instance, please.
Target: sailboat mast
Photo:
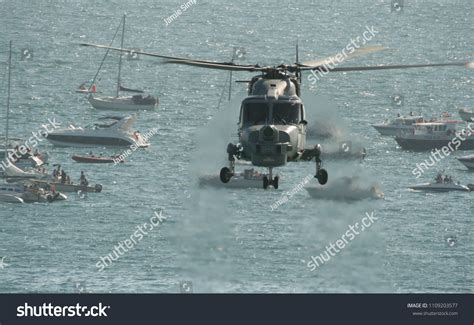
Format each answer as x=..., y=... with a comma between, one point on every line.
x=120, y=56
x=8, y=97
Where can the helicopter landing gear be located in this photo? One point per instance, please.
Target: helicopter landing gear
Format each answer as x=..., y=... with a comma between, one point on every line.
x=269, y=180
x=321, y=173
x=233, y=152
x=225, y=175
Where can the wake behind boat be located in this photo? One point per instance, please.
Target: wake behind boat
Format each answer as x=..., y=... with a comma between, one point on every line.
x=467, y=161
x=466, y=115
x=116, y=133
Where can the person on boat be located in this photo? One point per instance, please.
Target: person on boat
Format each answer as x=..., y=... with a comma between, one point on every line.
x=439, y=178
x=83, y=179
x=63, y=177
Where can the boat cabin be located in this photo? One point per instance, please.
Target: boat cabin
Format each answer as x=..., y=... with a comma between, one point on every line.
x=435, y=128
x=410, y=120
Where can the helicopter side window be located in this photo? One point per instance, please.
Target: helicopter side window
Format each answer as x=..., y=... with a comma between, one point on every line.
x=255, y=113
x=286, y=113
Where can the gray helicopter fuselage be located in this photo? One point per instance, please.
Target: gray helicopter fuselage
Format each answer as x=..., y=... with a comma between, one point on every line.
x=272, y=126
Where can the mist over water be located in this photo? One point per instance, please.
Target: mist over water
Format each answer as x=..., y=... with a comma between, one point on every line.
x=230, y=240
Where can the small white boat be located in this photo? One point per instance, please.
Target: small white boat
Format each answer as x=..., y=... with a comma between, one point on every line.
x=28, y=194
x=67, y=188
x=466, y=115
x=443, y=184
x=249, y=178
x=346, y=189
x=114, y=134
x=399, y=124
x=467, y=161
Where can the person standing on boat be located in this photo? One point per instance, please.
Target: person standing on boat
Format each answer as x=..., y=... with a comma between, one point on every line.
x=57, y=172
x=83, y=180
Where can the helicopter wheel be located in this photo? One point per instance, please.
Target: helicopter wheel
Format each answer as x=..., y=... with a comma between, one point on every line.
x=225, y=175
x=275, y=183
x=265, y=182
x=322, y=176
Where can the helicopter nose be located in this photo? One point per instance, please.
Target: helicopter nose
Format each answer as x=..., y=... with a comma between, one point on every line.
x=268, y=133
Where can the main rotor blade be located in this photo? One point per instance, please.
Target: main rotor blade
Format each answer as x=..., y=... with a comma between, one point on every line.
x=131, y=51
x=218, y=65
x=333, y=59
x=469, y=64
x=186, y=61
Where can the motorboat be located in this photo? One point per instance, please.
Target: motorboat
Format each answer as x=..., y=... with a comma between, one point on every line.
x=117, y=102
x=395, y=126
x=24, y=161
x=67, y=187
x=467, y=161
x=443, y=183
x=406, y=124
x=346, y=188
x=91, y=159
x=13, y=174
x=435, y=135
x=116, y=133
x=28, y=194
x=466, y=115
x=249, y=178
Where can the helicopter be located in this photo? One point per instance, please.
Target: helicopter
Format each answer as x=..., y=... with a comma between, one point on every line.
x=272, y=125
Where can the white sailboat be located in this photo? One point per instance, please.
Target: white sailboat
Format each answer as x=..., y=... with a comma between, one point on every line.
x=21, y=192
x=122, y=103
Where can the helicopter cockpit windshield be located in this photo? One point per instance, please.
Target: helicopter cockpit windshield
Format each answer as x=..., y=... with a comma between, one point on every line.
x=255, y=113
x=286, y=113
